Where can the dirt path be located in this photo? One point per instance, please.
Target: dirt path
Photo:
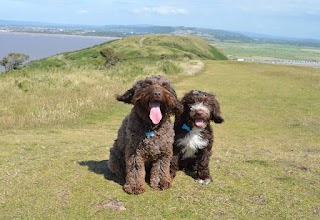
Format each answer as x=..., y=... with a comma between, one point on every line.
x=60, y=58
x=192, y=67
x=141, y=41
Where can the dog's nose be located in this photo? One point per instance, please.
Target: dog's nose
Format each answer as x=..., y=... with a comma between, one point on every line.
x=157, y=94
x=200, y=111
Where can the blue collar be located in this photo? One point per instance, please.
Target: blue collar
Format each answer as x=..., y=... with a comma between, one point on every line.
x=186, y=127
x=150, y=131
x=149, y=134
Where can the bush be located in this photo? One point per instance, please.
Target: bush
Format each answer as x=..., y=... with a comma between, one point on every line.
x=110, y=56
x=13, y=61
x=170, y=68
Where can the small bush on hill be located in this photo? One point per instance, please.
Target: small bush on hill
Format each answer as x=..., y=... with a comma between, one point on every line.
x=109, y=54
x=13, y=61
x=170, y=68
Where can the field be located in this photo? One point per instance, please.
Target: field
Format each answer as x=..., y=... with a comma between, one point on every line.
x=57, y=127
x=268, y=51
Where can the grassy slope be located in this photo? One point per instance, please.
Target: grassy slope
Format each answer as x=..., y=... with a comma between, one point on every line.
x=138, y=48
x=265, y=162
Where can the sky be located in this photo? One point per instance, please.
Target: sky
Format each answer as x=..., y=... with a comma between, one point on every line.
x=283, y=18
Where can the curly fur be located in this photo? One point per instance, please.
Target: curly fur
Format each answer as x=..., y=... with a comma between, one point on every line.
x=194, y=135
x=133, y=150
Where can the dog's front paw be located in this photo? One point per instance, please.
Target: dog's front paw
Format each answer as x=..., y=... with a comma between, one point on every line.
x=133, y=189
x=173, y=174
x=204, y=182
x=164, y=184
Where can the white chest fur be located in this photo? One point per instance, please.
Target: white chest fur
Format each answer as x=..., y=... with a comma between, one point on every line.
x=191, y=143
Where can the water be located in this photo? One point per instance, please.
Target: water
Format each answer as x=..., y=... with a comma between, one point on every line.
x=39, y=46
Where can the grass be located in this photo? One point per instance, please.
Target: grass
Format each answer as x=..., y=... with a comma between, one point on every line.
x=264, y=51
x=265, y=162
x=55, y=97
x=145, y=48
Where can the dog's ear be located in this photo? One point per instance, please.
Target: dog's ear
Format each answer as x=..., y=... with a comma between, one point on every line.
x=178, y=109
x=127, y=96
x=176, y=105
x=216, y=113
x=168, y=86
x=217, y=119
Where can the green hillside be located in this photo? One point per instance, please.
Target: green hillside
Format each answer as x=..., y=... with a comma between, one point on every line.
x=145, y=47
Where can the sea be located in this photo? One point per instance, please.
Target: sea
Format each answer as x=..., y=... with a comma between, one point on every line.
x=39, y=46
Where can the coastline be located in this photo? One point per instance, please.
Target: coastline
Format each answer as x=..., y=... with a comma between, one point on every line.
x=43, y=45
x=56, y=34
x=306, y=63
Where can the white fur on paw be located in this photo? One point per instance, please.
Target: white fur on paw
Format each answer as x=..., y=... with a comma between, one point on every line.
x=203, y=182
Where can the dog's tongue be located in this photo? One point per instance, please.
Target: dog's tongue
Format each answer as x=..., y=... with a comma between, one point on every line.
x=155, y=112
x=199, y=122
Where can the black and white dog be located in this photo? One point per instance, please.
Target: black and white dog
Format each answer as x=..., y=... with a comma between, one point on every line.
x=194, y=135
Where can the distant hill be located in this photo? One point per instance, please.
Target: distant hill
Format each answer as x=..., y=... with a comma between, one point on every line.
x=120, y=30
x=145, y=47
x=263, y=38
x=213, y=35
x=133, y=30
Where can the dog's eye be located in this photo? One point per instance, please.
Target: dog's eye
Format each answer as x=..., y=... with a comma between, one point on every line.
x=148, y=82
x=167, y=86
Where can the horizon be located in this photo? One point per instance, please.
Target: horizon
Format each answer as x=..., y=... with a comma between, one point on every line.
x=246, y=33
x=282, y=18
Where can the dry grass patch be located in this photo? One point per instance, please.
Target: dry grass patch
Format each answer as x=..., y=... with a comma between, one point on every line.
x=192, y=67
x=53, y=97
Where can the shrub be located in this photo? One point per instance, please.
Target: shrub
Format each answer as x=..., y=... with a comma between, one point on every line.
x=110, y=56
x=13, y=61
x=170, y=68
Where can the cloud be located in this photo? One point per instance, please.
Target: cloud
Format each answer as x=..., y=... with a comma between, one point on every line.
x=82, y=12
x=162, y=10
x=291, y=7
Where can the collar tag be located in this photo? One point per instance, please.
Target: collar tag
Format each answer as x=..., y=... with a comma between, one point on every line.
x=149, y=133
x=186, y=127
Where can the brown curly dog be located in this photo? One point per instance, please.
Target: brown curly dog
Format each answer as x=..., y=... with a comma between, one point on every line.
x=145, y=138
